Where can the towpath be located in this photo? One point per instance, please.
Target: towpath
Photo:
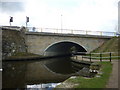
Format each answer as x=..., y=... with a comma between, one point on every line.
x=113, y=80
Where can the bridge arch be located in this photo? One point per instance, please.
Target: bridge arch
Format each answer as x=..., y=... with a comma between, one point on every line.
x=64, y=47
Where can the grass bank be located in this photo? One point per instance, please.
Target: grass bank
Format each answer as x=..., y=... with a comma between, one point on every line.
x=96, y=82
x=112, y=46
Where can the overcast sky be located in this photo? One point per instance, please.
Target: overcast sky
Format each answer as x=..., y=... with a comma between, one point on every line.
x=95, y=15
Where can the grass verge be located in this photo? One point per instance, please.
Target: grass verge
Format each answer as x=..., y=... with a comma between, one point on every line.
x=96, y=82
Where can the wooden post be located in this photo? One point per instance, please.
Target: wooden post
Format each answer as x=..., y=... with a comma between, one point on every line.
x=110, y=56
x=90, y=57
x=101, y=57
x=76, y=57
x=82, y=58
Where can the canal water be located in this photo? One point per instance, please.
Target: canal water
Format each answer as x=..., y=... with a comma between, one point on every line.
x=31, y=74
x=19, y=74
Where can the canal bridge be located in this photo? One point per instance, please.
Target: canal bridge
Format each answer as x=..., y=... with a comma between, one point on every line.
x=50, y=44
x=39, y=42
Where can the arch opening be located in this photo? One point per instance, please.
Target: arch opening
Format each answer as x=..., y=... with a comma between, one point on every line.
x=62, y=48
x=62, y=65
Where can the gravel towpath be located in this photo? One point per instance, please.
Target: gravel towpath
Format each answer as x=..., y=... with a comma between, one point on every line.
x=113, y=80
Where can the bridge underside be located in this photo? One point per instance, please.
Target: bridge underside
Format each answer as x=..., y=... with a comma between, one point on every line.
x=62, y=65
x=64, y=47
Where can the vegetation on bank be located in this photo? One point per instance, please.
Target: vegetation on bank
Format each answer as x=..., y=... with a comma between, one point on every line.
x=112, y=46
x=99, y=81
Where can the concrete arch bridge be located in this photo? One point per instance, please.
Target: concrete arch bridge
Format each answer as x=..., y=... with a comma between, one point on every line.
x=38, y=42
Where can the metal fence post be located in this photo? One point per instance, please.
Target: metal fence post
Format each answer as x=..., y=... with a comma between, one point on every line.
x=101, y=57
x=110, y=56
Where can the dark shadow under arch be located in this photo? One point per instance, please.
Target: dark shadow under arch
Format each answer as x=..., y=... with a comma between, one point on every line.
x=62, y=65
x=64, y=47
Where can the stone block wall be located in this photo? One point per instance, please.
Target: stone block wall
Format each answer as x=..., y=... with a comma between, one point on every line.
x=13, y=41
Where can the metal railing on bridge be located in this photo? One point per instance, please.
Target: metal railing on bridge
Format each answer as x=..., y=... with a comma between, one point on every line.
x=71, y=31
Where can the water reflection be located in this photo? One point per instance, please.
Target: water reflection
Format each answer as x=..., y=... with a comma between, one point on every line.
x=21, y=74
x=61, y=66
x=13, y=75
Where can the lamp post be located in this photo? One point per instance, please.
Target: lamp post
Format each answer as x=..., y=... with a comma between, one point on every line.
x=27, y=20
x=118, y=18
x=61, y=23
x=11, y=20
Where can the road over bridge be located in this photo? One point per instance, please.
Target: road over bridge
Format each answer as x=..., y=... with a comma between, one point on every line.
x=38, y=42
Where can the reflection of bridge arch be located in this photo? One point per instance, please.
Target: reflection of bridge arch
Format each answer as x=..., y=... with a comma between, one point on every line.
x=64, y=47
